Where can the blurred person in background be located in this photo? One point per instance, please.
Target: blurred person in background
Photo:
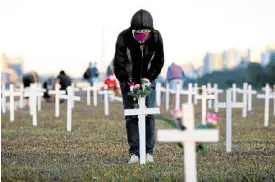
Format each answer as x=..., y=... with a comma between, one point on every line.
x=28, y=79
x=64, y=81
x=94, y=74
x=175, y=75
x=109, y=70
x=112, y=84
x=47, y=96
x=139, y=58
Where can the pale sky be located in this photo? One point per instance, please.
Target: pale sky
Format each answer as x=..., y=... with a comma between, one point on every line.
x=67, y=34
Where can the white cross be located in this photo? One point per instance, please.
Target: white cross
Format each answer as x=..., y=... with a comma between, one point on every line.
x=189, y=92
x=40, y=89
x=74, y=89
x=3, y=99
x=189, y=136
x=216, y=93
x=244, y=91
x=209, y=90
x=234, y=92
x=204, y=97
x=195, y=95
x=141, y=113
x=268, y=95
x=12, y=94
x=70, y=97
x=263, y=89
x=57, y=93
x=21, y=101
x=88, y=90
x=112, y=97
x=250, y=92
x=228, y=105
x=159, y=90
x=32, y=93
x=106, y=94
x=167, y=95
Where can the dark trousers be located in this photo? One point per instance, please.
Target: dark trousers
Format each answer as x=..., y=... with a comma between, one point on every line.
x=132, y=121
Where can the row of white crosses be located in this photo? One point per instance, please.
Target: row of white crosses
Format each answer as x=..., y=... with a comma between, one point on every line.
x=215, y=91
x=88, y=90
x=11, y=93
x=188, y=137
x=268, y=95
x=5, y=94
x=33, y=92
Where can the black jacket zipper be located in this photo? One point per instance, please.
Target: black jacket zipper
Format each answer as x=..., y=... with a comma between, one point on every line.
x=141, y=48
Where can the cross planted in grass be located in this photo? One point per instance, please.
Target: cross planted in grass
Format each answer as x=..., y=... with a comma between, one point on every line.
x=189, y=136
x=57, y=93
x=70, y=97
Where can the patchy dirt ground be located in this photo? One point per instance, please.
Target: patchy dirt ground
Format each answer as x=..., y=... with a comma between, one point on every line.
x=96, y=149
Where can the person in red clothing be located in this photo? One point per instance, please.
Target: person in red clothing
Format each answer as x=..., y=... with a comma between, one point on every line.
x=112, y=84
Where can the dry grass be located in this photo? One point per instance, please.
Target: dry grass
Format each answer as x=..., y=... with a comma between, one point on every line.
x=96, y=149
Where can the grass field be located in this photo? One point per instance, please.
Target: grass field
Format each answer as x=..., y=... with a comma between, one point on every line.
x=96, y=149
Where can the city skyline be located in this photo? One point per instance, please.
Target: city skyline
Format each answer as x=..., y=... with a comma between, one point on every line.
x=54, y=35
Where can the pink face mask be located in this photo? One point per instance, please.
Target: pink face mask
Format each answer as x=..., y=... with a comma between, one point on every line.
x=141, y=37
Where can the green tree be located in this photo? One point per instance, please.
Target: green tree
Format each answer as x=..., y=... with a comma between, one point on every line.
x=270, y=73
x=255, y=75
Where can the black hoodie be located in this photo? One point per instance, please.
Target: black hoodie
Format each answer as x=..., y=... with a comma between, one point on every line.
x=130, y=61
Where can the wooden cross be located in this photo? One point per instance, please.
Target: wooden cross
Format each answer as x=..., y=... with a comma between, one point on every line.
x=12, y=94
x=204, y=97
x=250, y=92
x=106, y=94
x=228, y=105
x=189, y=136
x=268, y=95
x=32, y=93
x=141, y=113
x=70, y=97
x=57, y=93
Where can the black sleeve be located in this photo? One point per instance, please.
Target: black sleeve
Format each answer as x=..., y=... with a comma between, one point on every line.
x=120, y=59
x=157, y=62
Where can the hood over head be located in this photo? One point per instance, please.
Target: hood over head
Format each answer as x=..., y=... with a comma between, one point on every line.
x=142, y=19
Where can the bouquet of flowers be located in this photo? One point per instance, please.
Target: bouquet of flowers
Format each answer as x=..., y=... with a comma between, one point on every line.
x=139, y=90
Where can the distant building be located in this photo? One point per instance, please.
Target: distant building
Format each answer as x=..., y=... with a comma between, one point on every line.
x=212, y=62
x=267, y=57
x=245, y=58
x=231, y=58
x=12, y=68
x=188, y=69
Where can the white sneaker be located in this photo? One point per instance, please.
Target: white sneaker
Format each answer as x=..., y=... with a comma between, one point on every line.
x=133, y=159
x=149, y=158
